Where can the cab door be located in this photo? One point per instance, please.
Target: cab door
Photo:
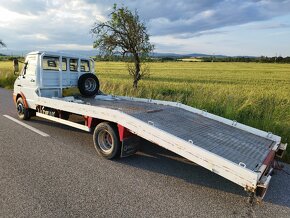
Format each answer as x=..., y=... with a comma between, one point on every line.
x=28, y=79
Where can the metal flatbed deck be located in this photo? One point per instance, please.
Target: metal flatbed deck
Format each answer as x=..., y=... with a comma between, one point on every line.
x=224, y=140
x=235, y=151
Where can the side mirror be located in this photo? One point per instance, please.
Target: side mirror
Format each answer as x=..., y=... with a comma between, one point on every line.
x=15, y=66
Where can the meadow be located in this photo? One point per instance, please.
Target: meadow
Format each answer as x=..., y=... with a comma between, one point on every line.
x=252, y=93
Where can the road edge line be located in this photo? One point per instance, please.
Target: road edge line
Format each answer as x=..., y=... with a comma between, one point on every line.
x=27, y=126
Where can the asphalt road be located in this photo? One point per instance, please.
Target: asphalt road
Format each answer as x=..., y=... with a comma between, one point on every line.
x=62, y=176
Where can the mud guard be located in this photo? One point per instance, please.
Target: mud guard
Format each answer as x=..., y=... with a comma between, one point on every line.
x=130, y=146
x=130, y=141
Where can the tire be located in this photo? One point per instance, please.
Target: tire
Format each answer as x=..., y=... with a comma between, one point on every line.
x=106, y=140
x=22, y=112
x=88, y=84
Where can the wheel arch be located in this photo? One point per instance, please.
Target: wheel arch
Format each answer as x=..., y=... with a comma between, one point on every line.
x=123, y=132
x=18, y=95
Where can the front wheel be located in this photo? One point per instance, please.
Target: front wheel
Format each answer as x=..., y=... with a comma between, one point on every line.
x=22, y=112
x=106, y=140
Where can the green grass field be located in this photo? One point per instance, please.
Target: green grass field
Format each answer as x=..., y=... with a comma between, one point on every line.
x=251, y=93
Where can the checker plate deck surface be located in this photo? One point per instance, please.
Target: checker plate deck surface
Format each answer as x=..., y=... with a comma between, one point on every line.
x=224, y=140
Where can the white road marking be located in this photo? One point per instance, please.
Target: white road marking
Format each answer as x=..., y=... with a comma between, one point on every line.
x=27, y=126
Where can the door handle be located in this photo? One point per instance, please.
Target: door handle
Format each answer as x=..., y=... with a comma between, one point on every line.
x=32, y=80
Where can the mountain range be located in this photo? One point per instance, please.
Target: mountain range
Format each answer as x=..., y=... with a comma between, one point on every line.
x=91, y=53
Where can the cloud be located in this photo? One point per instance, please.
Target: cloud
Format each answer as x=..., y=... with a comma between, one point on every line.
x=222, y=14
x=269, y=26
x=60, y=22
x=27, y=6
x=40, y=37
x=200, y=33
x=34, y=24
x=186, y=16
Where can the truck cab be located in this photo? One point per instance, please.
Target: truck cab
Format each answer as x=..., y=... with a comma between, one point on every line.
x=46, y=74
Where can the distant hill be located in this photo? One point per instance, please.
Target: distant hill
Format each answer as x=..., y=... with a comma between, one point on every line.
x=194, y=55
x=92, y=52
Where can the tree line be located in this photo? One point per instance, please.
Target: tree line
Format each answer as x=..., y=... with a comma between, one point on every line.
x=262, y=59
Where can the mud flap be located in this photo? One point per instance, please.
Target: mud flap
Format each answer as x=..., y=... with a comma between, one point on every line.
x=130, y=146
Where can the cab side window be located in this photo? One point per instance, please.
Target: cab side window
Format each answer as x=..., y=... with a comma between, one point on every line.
x=50, y=63
x=73, y=65
x=85, y=66
x=30, y=68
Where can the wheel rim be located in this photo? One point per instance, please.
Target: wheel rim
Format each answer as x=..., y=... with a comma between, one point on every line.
x=20, y=109
x=105, y=141
x=90, y=84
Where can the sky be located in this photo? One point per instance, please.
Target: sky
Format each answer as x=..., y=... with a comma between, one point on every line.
x=228, y=27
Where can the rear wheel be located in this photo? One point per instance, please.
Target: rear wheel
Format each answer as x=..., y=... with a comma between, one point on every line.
x=22, y=112
x=106, y=140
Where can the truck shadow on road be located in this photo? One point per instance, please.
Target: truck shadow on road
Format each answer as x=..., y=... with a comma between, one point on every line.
x=156, y=159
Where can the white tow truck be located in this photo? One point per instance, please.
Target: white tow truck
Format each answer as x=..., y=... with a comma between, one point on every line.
x=239, y=153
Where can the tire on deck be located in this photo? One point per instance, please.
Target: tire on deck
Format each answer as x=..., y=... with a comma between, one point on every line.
x=106, y=140
x=88, y=85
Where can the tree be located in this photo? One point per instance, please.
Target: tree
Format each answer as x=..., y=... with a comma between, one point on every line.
x=2, y=44
x=126, y=35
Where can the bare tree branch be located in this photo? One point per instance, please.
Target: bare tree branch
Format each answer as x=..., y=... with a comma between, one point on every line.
x=2, y=44
x=124, y=34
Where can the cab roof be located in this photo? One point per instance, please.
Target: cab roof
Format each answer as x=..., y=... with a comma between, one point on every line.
x=63, y=54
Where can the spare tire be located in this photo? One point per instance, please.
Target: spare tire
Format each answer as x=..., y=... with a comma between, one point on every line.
x=88, y=84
